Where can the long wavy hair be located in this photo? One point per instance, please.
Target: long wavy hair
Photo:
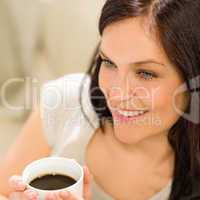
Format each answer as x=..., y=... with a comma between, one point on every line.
x=177, y=23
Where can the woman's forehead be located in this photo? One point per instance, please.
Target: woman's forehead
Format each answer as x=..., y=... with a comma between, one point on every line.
x=129, y=41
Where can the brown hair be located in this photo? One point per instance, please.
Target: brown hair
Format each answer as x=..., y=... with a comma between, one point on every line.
x=178, y=25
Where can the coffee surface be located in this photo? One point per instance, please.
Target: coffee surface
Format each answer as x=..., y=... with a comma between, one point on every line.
x=52, y=182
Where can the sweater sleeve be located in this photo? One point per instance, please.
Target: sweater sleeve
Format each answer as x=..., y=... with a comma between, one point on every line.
x=59, y=100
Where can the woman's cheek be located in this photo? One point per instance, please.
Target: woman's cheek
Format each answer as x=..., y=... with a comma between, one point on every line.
x=149, y=96
x=104, y=78
x=163, y=109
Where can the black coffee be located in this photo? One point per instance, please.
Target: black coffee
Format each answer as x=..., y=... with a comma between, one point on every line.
x=52, y=182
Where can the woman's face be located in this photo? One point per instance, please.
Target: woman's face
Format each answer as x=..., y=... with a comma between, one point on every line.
x=137, y=76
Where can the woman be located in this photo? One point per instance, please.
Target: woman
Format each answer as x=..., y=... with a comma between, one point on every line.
x=137, y=126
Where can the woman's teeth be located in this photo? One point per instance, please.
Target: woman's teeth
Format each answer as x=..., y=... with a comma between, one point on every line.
x=131, y=113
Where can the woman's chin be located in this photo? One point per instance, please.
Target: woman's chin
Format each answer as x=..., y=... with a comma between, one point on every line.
x=127, y=137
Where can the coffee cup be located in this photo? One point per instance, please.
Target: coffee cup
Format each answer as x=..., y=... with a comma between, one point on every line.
x=54, y=174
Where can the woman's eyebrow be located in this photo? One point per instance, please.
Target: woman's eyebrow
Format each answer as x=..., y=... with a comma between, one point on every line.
x=106, y=57
x=142, y=62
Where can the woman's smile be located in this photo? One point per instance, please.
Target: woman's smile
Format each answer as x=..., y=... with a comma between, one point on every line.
x=127, y=116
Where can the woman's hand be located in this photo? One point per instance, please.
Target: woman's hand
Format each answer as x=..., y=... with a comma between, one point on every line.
x=19, y=190
x=22, y=193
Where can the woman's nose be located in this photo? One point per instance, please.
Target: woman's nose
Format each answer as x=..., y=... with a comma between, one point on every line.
x=119, y=95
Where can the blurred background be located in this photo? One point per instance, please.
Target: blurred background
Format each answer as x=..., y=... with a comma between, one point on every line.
x=40, y=40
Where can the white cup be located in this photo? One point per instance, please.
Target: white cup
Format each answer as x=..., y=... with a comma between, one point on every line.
x=53, y=165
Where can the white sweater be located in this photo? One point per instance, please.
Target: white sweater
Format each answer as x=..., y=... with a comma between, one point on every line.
x=67, y=130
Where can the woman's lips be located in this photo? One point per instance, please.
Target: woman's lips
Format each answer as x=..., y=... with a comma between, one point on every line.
x=119, y=117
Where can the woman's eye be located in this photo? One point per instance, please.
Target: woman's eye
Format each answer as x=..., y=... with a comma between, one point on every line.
x=146, y=75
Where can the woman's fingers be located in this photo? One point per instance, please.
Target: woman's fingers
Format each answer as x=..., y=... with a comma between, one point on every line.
x=51, y=196
x=26, y=195
x=31, y=195
x=17, y=184
x=87, y=194
x=64, y=195
x=20, y=190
